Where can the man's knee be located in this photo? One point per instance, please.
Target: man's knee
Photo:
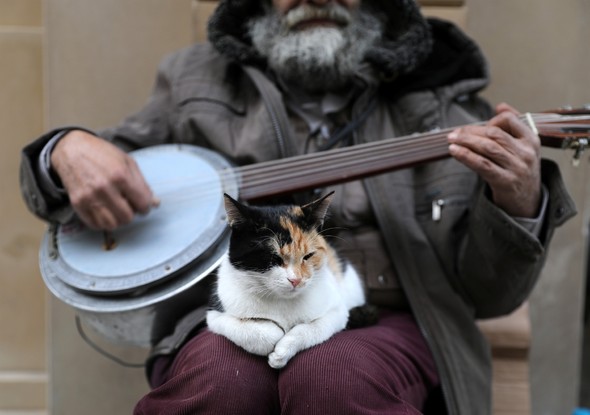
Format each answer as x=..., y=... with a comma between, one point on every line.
x=212, y=375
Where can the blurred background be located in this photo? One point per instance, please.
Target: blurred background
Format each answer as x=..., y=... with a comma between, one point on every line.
x=91, y=62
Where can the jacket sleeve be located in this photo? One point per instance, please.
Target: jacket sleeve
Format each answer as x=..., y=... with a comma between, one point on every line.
x=149, y=126
x=499, y=260
x=49, y=206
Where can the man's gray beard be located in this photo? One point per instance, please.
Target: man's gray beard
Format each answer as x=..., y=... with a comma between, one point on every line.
x=320, y=58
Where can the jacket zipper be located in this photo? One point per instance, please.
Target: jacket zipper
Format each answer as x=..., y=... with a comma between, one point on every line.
x=437, y=206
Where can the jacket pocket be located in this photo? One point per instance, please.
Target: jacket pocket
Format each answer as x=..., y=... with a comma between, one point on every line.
x=443, y=197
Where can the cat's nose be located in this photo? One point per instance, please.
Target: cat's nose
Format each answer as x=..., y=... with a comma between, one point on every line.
x=294, y=281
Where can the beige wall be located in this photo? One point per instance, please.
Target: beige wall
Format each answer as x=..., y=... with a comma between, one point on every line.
x=23, y=376
x=539, y=56
x=100, y=59
x=85, y=68
x=538, y=50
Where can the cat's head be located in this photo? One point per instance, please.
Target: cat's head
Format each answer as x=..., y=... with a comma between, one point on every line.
x=280, y=247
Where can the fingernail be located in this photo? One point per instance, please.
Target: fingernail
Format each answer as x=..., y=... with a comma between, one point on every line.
x=453, y=135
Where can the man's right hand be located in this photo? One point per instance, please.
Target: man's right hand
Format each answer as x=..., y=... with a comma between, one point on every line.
x=104, y=184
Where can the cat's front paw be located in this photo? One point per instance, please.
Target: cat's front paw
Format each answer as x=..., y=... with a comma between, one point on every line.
x=277, y=360
x=283, y=352
x=256, y=336
x=263, y=337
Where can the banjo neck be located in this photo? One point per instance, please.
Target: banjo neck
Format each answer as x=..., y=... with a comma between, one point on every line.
x=266, y=179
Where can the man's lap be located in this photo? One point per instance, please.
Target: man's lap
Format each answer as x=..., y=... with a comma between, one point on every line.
x=365, y=370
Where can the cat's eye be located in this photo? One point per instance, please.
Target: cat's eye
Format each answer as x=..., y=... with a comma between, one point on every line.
x=277, y=260
x=306, y=257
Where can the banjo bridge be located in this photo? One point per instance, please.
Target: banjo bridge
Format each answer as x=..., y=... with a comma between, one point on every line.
x=108, y=241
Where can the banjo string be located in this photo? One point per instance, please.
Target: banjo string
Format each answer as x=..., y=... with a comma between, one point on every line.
x=295, y=170
x=299, y=170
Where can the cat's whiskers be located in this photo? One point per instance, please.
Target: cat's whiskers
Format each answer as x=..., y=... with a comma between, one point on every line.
x=340, y=238
x=334, y=228
x=323, y=232
x=320, y=236
x=258, y=289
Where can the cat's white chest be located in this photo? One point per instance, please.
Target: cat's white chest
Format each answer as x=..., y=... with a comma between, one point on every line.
x=263, y=320
x=246, y=296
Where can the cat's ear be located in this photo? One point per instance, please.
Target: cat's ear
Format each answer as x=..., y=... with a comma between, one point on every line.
x=234, y=210
x=316, y=210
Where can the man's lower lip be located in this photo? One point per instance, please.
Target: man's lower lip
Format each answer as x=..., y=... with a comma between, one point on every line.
x=316, y=23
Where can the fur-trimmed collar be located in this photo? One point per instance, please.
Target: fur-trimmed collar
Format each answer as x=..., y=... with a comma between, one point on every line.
x=406, y=43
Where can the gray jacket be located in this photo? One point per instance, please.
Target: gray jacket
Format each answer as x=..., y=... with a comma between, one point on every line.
x=476, y=262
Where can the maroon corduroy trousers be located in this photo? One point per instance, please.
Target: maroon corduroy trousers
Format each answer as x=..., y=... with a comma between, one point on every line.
x=383, y=369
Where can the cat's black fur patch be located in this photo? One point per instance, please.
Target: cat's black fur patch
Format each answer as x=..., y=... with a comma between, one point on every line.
x=249, y=249
x=362, y=316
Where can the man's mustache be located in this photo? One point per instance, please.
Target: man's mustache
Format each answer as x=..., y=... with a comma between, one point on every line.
x=305, y=12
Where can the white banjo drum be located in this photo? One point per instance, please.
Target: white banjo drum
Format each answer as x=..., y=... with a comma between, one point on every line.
x=150, y=274
x=135, y=285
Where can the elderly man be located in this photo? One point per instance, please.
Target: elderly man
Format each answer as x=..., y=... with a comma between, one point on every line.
x=439, y=244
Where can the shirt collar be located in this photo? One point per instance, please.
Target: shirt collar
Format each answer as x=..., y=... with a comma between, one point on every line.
x=315, y=109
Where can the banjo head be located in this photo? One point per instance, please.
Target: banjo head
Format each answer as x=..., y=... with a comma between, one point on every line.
x=183, y=230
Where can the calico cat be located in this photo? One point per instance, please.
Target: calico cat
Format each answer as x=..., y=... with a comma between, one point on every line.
x=281, y=288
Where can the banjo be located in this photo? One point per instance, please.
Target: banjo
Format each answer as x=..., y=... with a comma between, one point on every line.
x=130, y=283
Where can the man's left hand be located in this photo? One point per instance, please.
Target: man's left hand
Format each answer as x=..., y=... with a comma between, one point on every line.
x=505, y=152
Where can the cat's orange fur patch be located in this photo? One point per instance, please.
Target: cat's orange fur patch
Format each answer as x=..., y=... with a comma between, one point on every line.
x=303, y=243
